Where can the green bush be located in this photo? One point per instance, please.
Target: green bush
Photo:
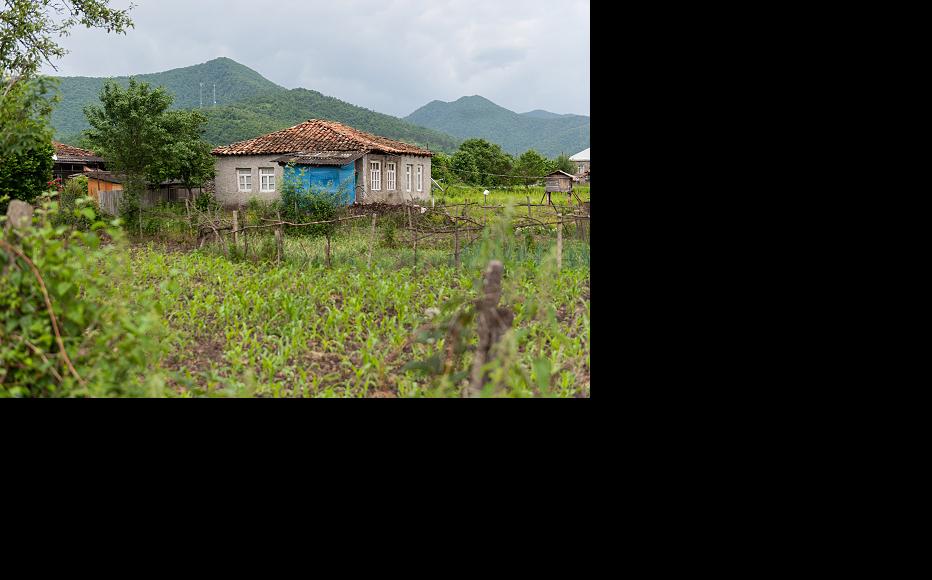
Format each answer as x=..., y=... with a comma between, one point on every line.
x=26, y=175
x=108, y=347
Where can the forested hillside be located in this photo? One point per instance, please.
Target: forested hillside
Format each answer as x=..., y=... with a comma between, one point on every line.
x=248, y=105
x=469, y=117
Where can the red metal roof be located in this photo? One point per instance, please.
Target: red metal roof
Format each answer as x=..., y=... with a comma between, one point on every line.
x=318, y=135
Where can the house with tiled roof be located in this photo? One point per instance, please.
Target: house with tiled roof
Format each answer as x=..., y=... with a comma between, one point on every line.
x=324, y=155
x=69, y=160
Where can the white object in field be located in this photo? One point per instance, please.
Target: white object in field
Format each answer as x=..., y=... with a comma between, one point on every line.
x=423, y=210
x=486, y=193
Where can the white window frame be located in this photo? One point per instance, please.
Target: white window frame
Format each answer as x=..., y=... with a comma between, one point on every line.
x=267, y=176
x=420, y=178
x=409, y=177
x=390, y=171
x=241, y=183
x=375, y=175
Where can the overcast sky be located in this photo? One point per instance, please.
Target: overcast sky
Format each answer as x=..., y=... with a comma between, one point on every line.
x=392, y=56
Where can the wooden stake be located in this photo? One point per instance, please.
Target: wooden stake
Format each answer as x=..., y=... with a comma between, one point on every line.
x=236, y=230
x=371, y=240
x=456, y=248
x=560, y=244
x=279, y=239
x=328, y=251
x=493, y=322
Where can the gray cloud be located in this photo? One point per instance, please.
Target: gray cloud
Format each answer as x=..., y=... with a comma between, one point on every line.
x=391, y=56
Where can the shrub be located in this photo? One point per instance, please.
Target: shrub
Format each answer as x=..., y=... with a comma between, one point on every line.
x=26, y=176
x=107, y=347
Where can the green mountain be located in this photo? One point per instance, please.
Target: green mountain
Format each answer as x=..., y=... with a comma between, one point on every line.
x=234, y=82
x=248, y=105
x=541, y=114
x=475, y=116
x=269, y=112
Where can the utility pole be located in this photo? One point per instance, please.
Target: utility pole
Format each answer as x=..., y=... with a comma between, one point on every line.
x=215, y=94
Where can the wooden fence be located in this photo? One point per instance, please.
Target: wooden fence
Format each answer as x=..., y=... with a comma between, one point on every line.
x=109, y=201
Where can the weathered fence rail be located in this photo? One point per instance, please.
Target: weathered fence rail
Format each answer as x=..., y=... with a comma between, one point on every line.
x=109, y=201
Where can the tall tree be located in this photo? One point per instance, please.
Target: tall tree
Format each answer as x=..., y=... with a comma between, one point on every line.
x=129, y=130
x=563, y=163
x=482, y=163
x=187, y=156
x=29, y=30
x=531, y=167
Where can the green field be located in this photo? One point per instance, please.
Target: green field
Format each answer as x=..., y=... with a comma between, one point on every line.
x=244, y=325
x=163, y=318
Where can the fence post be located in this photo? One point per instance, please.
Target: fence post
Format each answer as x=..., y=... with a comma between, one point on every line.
x=371, y=240
x=236, y=230
x=456, y=247
x=279, y=239
x=493, y=322
x=560, y=244
x=329, y=263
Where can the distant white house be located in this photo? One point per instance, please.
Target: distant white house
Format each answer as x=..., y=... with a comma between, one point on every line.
x=581, y=160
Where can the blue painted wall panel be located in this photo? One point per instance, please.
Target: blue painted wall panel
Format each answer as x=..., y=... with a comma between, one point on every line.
x=326, y=178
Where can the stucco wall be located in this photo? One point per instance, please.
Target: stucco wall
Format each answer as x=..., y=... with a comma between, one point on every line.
x=227, y=186
x=398, y=195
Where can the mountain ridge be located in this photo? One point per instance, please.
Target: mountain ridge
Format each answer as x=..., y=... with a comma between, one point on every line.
x=477, y=117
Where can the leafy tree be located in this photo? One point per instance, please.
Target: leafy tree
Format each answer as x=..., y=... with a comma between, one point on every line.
x=26, y=175
x=563, y=163
x=531, y=167
x=442, y=168
x=187, y=156
x=479, y=162
x=29, y=30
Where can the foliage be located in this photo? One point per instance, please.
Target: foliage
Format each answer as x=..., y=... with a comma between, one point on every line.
x=72, y=199
x=24, y=114
x=112, y=347
x=186, y=156
x=248, y=106
x=441, y=169
x=531, y=167
x=480, y=162
x=301, y=330
x=563, y=163
x=234, y=83
x=129, y=129
x=26, y=175
x=29, y=30
x=472, y=117
x=276, y=110
x=207, y=202
x=134, y=129
x=300, y=204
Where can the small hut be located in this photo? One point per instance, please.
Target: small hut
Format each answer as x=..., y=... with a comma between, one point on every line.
x=560, y=182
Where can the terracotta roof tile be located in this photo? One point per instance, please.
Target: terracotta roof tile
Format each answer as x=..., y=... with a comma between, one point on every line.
x=318, y=135
x=69, y=153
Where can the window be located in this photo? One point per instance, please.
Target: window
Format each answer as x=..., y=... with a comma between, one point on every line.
x=420, y=178
x=375, y=170
x=245, y=179
x=409, y=171
x=390, y=169
x=267, y=179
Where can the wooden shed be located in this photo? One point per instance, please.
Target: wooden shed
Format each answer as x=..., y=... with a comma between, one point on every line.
x=560, y=182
